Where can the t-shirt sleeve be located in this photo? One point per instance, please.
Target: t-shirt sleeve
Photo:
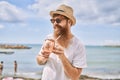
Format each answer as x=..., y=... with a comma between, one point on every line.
x=79, y=59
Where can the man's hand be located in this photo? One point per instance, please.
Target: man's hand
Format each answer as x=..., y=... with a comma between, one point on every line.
x=58, y=50
x=45, y=54
x=43, y=57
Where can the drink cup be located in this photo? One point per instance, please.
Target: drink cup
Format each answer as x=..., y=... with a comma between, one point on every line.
x=48, y=45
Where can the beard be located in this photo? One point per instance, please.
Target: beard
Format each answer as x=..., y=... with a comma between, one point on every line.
x=64, y=34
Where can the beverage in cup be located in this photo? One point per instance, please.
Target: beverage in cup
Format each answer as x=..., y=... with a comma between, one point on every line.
x=48, y=45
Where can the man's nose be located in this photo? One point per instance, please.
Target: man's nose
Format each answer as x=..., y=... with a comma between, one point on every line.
x=54, y=26
x=55, y=23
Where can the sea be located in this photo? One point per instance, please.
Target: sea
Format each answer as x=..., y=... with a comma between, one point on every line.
x=103, y=62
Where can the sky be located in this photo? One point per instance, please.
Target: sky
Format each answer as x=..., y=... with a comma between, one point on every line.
x=28, y=21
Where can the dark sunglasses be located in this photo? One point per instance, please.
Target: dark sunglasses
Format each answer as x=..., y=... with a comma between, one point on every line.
x=57, y=20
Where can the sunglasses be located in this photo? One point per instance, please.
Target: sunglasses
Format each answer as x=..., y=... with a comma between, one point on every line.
x=56, y=20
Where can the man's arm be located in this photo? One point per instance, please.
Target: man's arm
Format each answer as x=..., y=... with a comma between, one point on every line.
x=70, y=70
x=41, y=60
x=42, y=57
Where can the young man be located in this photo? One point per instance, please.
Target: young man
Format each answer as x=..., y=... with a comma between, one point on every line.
x=68, y=57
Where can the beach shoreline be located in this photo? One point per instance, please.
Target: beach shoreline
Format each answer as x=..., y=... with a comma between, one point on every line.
x=83, y=77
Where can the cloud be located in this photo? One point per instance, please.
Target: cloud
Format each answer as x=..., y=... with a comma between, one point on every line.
x=112, y=42
x=11, y=13
x=1, y=26
x=42, y=8
x=86, y=11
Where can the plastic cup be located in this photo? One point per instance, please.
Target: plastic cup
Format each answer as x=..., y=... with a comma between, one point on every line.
x=48, y=45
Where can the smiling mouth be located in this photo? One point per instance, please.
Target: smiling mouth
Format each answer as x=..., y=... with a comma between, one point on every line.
x=57, y=28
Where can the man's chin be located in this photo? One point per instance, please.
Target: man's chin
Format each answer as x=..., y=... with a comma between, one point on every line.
x=57, y=32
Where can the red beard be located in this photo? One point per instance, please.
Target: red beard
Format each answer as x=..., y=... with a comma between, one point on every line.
x=64, y=35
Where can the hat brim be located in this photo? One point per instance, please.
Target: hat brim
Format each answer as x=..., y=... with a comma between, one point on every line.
x=64, y=14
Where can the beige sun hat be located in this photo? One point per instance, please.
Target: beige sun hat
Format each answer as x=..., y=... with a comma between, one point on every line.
x=65, y=11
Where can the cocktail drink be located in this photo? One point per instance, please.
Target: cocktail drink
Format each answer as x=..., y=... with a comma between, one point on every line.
x=48, y=45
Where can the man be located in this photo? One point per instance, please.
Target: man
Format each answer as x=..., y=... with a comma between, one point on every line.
x=1, y=67
x=68, y=55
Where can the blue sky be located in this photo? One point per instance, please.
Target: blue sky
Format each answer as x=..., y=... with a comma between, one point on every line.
x=27, y=21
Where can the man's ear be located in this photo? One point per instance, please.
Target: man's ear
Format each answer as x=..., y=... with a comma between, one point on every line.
x=70, y=22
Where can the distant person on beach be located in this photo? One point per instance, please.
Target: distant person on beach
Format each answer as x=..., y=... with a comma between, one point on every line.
x=66, y=58
x=1, y=67
x=15, y=66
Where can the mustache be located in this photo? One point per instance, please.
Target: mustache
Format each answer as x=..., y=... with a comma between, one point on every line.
x=60, y=31
x=58, y=26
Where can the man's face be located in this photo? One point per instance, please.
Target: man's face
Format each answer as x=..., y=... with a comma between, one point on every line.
x=59, y=24
x=61, y=28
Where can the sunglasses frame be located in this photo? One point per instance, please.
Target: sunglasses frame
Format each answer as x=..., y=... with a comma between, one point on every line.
x=57, y=20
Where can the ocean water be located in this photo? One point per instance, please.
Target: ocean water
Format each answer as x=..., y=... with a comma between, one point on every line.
x=103, y=62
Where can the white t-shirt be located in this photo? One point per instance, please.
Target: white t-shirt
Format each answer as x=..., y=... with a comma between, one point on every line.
x=75, y=53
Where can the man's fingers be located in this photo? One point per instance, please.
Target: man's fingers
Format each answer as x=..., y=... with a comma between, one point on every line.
x=46, y=56
x=58, y=48
x=45, y=53
x=58, y=51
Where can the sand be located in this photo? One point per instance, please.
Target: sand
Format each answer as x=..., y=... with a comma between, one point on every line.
x=83, y=77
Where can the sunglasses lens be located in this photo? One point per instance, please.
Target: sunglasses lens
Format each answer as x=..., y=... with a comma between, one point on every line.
x=58, y=20
x=52, y=20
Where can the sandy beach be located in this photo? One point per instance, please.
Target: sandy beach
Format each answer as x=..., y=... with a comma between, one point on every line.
x=83, y=77
x=20, y=77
